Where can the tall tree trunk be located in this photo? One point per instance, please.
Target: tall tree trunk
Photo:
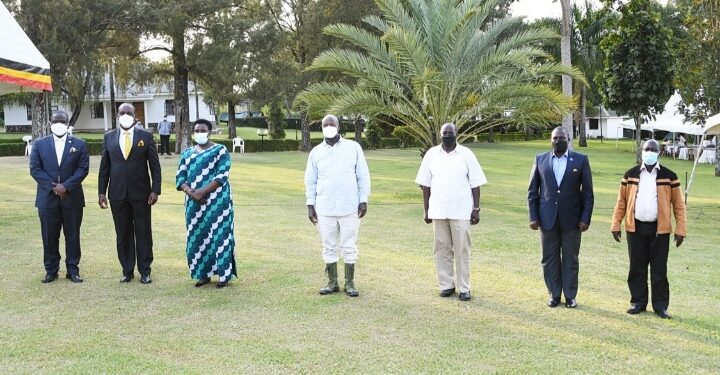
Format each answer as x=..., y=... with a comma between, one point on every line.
x=183, y=130
x=638, y=137
x=305, y=130
x=38, y=108
x=565, y=51
x=581, y=122
x=77, y=107
x=232, y=132
x=359, y=123
x=113, y=105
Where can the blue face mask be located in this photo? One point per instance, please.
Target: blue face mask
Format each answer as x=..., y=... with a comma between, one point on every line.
x=650, y=157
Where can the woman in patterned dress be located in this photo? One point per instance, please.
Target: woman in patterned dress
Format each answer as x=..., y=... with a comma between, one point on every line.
x=203, y=176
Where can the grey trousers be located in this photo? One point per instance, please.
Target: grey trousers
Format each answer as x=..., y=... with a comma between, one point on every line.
x=560, y=250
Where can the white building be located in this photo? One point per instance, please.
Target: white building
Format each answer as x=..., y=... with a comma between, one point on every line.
x=151, y=104
x=605, y=123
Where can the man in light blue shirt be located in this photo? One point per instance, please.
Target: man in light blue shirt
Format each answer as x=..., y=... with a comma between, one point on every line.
x=164, y=128
x=337, y=186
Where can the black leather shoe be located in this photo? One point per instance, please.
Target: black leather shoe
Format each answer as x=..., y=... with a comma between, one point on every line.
x=464, y=296
x=571, y=303
x=635, y=309
x=145, y=279
x=49, y=277
x=447, y=292
x=553, y=301
x=663, y=314
x=221, y=284
x=203, y=281
x=74, y=278
x=127, y=278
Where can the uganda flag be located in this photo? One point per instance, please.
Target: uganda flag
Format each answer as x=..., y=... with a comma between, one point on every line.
x=22, y=67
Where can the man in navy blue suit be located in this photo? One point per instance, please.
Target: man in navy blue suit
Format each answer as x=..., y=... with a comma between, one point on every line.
x=59, y=163
x=560, y=204
x=129, y=161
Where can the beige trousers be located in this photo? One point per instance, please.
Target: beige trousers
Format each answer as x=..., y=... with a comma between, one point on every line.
x=452, y=242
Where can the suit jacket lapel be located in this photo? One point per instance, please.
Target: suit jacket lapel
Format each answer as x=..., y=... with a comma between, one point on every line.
x=116, y=143
x=550, y=169
x=66, y=151
x=568, y=166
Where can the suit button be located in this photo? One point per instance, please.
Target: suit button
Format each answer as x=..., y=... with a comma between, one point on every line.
x=556, y=203
x=558, y=192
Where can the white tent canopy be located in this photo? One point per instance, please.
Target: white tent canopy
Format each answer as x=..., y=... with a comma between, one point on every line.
x=670, y=120
x=22, y=67
x=712, y=127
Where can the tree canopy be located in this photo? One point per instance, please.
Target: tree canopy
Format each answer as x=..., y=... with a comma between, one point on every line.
x=428, y=63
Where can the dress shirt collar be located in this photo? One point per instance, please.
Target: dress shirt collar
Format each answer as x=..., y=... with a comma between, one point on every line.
x=565, y=155
x=655, y=168
x=336, y=143
x=60, y=139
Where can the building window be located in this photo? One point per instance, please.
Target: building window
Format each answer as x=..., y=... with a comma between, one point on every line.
x=594, y=124
x=97, y=110
x=29, y=112
x=169, y=108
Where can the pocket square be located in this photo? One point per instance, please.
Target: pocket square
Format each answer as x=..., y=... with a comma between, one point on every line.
x=141, y=143
x=575, y=170
x=73, y=149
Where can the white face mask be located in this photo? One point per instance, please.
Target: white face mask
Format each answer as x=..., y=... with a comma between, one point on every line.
x=59, y=129
x=329, y=131
x=201, y=138
x=650, y=157
x=126, y=121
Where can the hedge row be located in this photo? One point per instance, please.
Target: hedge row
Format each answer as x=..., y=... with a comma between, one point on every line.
x=14, y=148
x=290, y=123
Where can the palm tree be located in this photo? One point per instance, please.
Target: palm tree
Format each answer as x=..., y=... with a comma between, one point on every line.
x=436, y=61
x=566, y=58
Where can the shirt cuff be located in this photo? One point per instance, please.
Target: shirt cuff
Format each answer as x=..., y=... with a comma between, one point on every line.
x=310, y=202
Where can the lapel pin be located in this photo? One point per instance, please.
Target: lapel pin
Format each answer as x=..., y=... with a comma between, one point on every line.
x=141, y=143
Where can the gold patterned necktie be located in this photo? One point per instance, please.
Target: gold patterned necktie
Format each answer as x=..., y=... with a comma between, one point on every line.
x=128, y=145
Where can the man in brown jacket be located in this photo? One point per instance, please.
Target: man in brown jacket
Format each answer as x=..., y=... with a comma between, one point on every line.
x=648, y=194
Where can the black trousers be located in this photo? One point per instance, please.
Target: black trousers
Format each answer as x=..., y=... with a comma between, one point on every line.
x=164, y=144
x=646, y=247
x=134, y=235
x=52, y=220
x=560, y=261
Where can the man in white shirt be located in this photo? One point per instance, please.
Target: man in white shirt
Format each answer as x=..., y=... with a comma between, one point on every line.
x=59, y=163
x=164, y=128
x=450, y=177
x=337, y=186
x=649, y=193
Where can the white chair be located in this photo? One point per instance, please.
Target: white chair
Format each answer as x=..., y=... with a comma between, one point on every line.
x=28, y=144
x=238, y=142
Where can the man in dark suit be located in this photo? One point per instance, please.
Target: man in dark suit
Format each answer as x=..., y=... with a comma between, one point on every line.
x=128, y=153
x=59, y=163
x=560, y=202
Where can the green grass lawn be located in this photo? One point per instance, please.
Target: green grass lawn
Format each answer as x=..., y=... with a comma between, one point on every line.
x=271, y=319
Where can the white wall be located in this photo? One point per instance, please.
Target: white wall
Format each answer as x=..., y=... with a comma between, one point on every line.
x=608, y=127
x=154, y=111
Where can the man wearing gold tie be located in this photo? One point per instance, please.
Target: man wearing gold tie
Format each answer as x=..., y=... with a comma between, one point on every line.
x=129, y=163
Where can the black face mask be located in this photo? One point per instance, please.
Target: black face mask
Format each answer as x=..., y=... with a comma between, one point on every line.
x=560, y=146
x=449, y=140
